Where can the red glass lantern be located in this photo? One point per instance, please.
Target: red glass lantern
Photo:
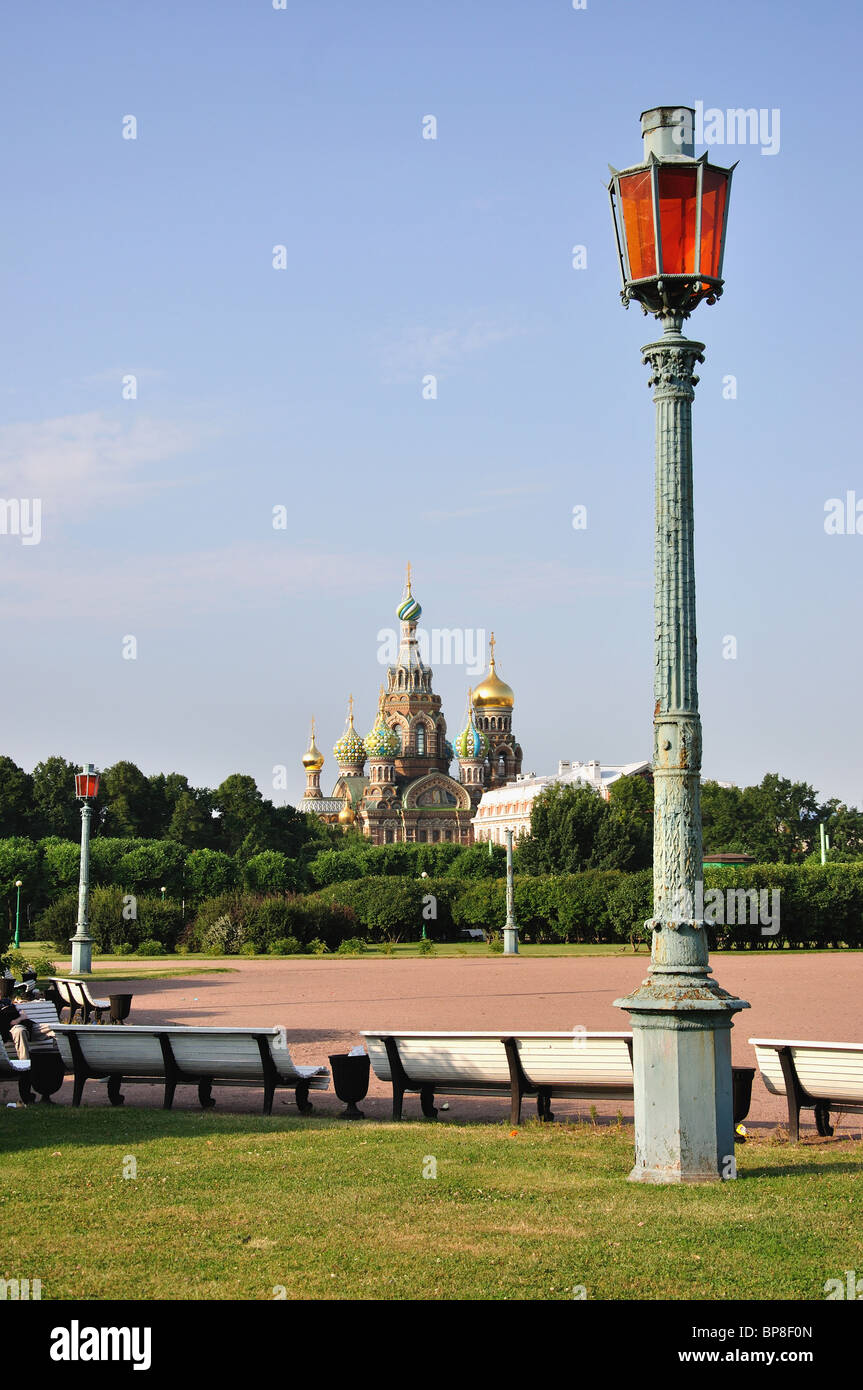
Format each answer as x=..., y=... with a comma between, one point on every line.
x=87, y=783
x=670, y=215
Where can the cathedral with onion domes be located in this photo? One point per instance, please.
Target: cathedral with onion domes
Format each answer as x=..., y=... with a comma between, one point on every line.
x=395, y=784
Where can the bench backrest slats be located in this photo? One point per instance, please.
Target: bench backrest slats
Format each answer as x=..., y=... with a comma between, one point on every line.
x=231, y=1053
x=589, y=1059
x=830, y=1073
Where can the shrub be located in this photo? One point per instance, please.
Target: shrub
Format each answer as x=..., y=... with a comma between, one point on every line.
x=43, y=965
x=318, y=948
x=285, y=946
x=495, y=945
x=426, y=947
x=209, y=872
x=224, y=936
x=150, y=947
x=351, y=946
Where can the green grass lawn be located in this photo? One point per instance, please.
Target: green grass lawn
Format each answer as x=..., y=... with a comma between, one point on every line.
x=237, y=1206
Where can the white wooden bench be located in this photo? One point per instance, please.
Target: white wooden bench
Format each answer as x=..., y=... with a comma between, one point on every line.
x=44, y=1071
x=175, y=1055
x=78, y=996
x=577, y=1065
x=821, y=1076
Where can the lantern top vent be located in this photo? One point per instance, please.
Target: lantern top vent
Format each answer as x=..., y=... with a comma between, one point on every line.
x=668, y=132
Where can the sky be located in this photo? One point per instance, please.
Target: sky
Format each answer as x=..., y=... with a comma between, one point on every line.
x=299, y=379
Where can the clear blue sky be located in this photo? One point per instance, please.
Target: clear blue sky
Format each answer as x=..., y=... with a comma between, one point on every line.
x=302, y=387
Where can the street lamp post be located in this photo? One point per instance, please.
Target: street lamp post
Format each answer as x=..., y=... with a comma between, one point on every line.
x=18, y=885
x=510, y=930
x=670, y=214
x=86, y=790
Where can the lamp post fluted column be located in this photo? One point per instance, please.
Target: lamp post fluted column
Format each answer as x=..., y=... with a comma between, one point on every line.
x=681, y=1019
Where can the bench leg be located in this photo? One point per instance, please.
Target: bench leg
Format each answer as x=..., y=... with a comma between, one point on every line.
x=543, y=1106
x=269, y=1093
x=115, y=1095
x=398, y=1100
x=822, y=1120
x=170, y=1088
x=205, y=1095
x=301, y=1096
x=25, y=1091
x=793, y=1119
x=515, y=1106
x=427, y=1102
x=78, y=1087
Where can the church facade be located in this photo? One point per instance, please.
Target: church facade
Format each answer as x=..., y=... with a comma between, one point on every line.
x=396, y=784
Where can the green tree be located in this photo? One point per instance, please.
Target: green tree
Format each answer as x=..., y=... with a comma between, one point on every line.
x=243, y=816
x=191, y=822
x=55, y=810
x=564, y=825
x=19, y=858
x=128, y=800
x=784, y=819
x=16, y=799
x=625, y=837
x=726, y=818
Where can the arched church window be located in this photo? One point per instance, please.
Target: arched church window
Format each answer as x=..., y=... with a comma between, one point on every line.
x=421, y=740
x=501, y=767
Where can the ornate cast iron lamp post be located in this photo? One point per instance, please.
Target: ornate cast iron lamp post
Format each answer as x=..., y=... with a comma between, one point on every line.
x=86, y=790
x=669, y=215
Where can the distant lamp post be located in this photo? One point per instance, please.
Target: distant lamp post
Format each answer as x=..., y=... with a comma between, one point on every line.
x=86, y=790
x=670, y=215
x=163, y=893
x=510, y=930
x=18, y=885
x=423, y=937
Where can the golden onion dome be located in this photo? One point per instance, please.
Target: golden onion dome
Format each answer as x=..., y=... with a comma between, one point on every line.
x=347, y=814
x=493, y=693
x=313, y=758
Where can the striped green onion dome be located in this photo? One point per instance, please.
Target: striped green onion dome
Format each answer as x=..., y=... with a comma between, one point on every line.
x=471, y=743
x=408, y=610
x=381, y=742
x=350, y=748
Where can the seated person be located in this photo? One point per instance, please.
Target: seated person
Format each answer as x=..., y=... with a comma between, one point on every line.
x=18, y=1030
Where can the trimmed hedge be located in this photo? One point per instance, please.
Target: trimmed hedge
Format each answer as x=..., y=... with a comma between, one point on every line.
x=819, y=906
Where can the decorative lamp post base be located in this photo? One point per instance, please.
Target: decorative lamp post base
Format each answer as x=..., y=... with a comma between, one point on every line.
x=82, y=955
x=510, y=941
x=681, y=1063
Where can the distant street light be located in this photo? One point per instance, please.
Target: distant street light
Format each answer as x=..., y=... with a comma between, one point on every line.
x=86, y=790
x=17, y=913
x=510, y=930
x=163, y=894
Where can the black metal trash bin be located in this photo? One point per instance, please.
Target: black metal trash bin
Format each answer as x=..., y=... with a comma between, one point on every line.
x=350, y=1081
x=120, y=1006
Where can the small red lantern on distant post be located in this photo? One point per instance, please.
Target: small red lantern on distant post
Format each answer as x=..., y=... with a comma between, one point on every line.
x=87, y=783
x=670, y=214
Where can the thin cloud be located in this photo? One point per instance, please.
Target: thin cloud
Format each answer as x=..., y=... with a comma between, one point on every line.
x=77, y=462
x=421, y=348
